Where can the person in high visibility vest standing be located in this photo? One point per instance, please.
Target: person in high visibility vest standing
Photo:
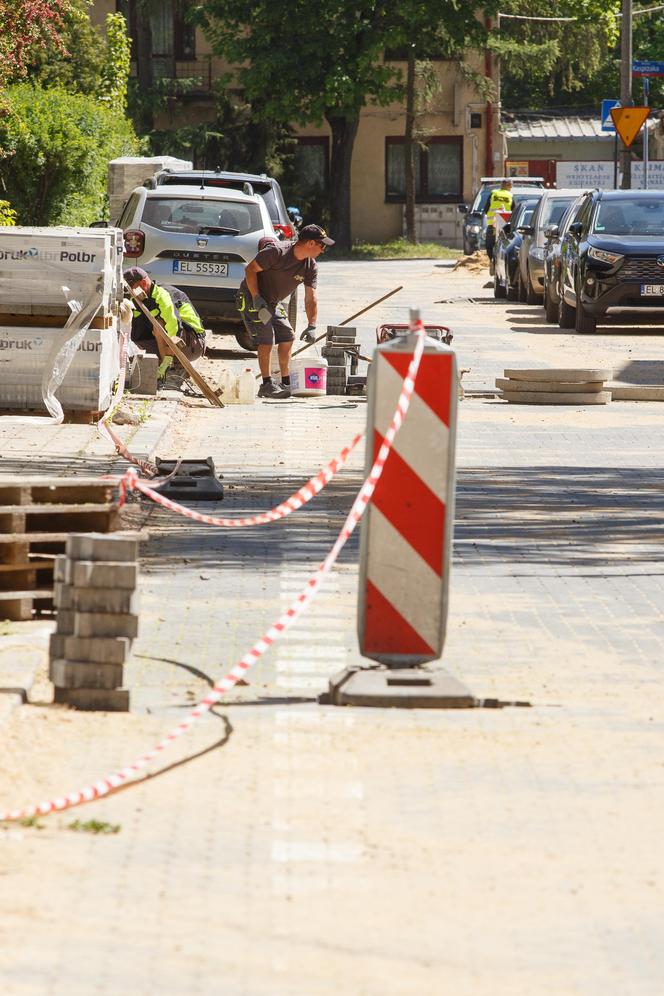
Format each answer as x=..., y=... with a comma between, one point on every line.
x=500, y=200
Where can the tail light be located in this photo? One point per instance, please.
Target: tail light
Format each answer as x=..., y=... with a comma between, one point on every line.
x=286, y=230
x=134, y=243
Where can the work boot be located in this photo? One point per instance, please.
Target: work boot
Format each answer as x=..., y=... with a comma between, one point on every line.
x=271, y=390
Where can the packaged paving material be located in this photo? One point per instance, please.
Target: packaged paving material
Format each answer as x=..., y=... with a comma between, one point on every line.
x=43, y=269
x=88, y=383
x=128, y=172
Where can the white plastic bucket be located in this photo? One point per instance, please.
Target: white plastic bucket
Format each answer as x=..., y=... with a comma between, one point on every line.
x=308, y=377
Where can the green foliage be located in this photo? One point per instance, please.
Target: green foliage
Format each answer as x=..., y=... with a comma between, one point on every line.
x=75, y=59
x=397, y=249
x=117, y=62
x=549, y=63
x=7, y=214
x=93, y=826
x=58, y=146
x=82, y=61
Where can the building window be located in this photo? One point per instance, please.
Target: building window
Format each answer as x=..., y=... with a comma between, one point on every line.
x=173, y=35
x=438, y=170
x=312, y=156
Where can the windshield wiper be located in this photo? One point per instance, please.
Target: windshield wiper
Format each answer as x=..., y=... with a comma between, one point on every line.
x=217, y=230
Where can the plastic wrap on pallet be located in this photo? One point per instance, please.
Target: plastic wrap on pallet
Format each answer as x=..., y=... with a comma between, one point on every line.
x=42, y=269
x=87, y=384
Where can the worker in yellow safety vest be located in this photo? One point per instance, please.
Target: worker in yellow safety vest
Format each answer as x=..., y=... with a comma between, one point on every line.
x=500, y=200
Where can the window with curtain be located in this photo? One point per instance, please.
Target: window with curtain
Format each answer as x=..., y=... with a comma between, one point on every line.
x=311, y=164
x=438, y=169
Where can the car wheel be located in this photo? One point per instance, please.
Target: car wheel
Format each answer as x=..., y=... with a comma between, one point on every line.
x=245, y=340
x=520, y=289
x=585, y=322
x=566, y=314
x=498, y=289
x=550, y=308
x=532, y=297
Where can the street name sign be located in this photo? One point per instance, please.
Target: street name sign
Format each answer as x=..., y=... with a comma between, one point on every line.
x=647, y=67
x=628, y=122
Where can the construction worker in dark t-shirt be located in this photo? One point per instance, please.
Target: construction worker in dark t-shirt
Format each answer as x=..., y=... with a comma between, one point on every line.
x=269, y=280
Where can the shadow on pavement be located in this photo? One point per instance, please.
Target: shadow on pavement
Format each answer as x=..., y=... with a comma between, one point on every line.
x=559, y=515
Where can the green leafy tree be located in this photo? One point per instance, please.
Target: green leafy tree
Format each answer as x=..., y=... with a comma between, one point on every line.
x=306, y=63
x=555, y=63
x=58, y=147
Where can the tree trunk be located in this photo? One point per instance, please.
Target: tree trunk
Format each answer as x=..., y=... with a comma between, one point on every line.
x=344, y=130
x=409, y=147
x=144, y=68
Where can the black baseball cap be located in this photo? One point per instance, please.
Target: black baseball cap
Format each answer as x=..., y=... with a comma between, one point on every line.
x=316, y=234
x=134, y=274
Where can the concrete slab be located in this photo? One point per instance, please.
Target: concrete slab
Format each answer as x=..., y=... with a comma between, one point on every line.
x=400, y=688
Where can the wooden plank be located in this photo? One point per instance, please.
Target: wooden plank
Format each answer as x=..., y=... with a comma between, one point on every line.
x=55, y=508
x=54, y=482
x=27, y=565
x=6, y=596
x=162, y=336
x=51, y=321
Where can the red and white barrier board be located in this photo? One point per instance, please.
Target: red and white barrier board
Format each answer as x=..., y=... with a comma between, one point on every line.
x=407, y=531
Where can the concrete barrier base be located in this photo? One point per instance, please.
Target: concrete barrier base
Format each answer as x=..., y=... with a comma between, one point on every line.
x=402, y=688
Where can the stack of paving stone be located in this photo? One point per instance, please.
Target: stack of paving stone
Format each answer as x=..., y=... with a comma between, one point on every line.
x=555, y=387
x=96, y=600
x=338, y=341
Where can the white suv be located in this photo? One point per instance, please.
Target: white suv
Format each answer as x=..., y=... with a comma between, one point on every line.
x=198, y=239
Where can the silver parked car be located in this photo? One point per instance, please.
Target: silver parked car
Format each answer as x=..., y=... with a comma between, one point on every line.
x=198, y=239
x=549, y=211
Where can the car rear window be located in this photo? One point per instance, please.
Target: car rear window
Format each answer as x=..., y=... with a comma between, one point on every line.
x=630, y=216
x=189, y=215
x=262, y=187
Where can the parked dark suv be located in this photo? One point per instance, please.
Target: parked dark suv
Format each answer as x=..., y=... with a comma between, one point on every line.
x=612, y=257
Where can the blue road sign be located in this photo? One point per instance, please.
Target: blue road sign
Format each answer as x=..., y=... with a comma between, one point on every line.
x=607, y=121
x=647, y=67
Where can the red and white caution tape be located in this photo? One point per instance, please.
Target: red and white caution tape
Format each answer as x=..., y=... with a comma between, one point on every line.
x=103, y=426
x=278, y=628
x=314, y=486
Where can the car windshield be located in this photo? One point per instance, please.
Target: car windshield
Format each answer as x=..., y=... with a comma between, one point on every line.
x=481, y=201
x=553, y=210
x=630, y=216
x=189, y=215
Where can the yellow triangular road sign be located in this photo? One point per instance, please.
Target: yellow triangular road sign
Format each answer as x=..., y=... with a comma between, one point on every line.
x=628, y=121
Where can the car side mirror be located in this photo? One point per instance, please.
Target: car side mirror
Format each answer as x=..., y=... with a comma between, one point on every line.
x=525, y=229
x=295, y=215
x=551, y=232
x=462, y=208
x=576, y=228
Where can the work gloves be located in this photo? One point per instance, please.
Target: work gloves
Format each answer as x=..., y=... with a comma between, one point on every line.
x=309, y=333
x=264, y=313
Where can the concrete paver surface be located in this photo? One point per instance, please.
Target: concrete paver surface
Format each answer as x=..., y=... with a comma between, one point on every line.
x=286, y=848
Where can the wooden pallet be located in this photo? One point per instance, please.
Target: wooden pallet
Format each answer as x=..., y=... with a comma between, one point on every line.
x=36, y=517
x=31, y=321
x=70, y=417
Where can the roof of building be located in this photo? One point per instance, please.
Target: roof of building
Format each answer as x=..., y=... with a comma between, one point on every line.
x=555, y=129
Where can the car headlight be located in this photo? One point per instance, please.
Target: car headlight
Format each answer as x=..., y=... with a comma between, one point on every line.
x=474, y=229
x=605, y=257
